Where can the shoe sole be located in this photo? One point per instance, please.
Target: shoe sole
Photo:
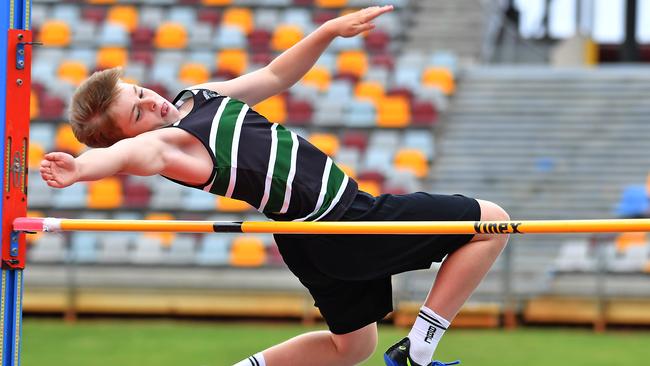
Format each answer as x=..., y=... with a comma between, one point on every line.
x=388, y=361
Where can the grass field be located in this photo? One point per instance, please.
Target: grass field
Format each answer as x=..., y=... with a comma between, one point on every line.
x=162, y=343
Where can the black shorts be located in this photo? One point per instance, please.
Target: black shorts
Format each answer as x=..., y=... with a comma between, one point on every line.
x=349, y=276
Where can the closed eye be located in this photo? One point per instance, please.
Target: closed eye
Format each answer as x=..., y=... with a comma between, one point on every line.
x=137, y=116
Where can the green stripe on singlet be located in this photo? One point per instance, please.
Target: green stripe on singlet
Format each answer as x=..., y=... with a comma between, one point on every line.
x=281, y=168
x=334, y=182
x=224, y=142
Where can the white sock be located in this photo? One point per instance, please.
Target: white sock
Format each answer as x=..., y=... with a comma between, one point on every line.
x=425, y=335
x=254, y=360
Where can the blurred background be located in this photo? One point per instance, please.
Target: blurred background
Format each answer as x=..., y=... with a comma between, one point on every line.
x=540, y=106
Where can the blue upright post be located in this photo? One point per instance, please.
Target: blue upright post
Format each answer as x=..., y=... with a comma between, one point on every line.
x=15, y=67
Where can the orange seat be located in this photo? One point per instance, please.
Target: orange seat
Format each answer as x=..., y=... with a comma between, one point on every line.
x=331, y=3
x=325, y=142
x=35, y=155
x=412, y=160
x=216, y=2
x=285, y=36
x=55, y=33
x=441, y=78
x=626, y=240
x=241, y=18
x=33, y=105
x=647, y=184
x=369, y=90
x=126, y=15
x=73, y=72
x=393, y=112
x=273, y=108
x=232, y=61
x=318, y=77
x=109, y=57
x=247, y=251
x=105, y=193
x=370, y=186
x=193, y=73
x=170, y=35
x=225, y=204
x=165, y=239
x=65, y=140
x=352, y=63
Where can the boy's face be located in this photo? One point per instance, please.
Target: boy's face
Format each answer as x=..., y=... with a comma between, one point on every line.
x=139, y=110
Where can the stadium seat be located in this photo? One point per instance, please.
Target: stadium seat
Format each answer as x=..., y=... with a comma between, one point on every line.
x=348, y=170
x=65, y=140
x=147, y=251
x=234, y=62
x=230, y=37
x=105, y=193
x=355, y=139
x=110, y=57
x=369, y=186
x=239, y=17
x=285, y=36
x=378, y=158
x=319, y=77
x=326, y=142
x=193, y=73
x=340, y=90
x=266, y=19
x=247, y=251
x=412, y=160
x=369, y=90
x=575, y=256
x=349, y=156
x=353, y=63
x=51, y=108
x=126, y=15
x=273, y=108
x=423, y=113
x=101, y=2
x=35, y=155
x=439, y=77
x=329, y=112
x=300, y=17
x=151, y=16
x=72, y=71
x=48, y=249
x=166, y=195
x=33, y=105
x=185, y=15
x=114, y=248
x=136, y=193
x=83, y=247
x=69, y=13
x=171, y=36
x=444, y=59
x=216, y=2
x=376, y=41
x=346, y=44
x=55, y=33
x=225, y=204
x=385, y=139
x=259, y=40
x=93, y=14
x=624, y=241
x=42, y=134
x=182, y=251
x=73, y=197
x=209, y=16
x=201, y=36
x=360, y=113
x=214, y=250
x=198, y=200
x=393, y=112
x=331, y=3
x=39, y=193
x=299, y=112
x=84, y=34
x=422, y=140
x=166, y=239
x=113, y=35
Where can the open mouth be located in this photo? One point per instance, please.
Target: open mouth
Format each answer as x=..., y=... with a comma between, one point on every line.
x=164, y=109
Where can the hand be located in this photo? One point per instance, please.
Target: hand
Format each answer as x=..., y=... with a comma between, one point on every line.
x=58, y=169
x=360, y=21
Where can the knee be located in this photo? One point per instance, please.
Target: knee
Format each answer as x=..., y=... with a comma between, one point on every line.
x=490, y=211
x=357, y=346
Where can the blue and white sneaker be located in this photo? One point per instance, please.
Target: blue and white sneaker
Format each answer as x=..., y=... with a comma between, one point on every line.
x=398, y=355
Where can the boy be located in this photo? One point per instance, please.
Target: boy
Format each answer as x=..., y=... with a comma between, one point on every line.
x=208, y=138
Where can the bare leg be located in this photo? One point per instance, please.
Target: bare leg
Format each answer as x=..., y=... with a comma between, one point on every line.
x=324, y=348
x=464, y=269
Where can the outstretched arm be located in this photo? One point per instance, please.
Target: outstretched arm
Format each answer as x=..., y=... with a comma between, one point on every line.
x=141, y=155
x=293, y=64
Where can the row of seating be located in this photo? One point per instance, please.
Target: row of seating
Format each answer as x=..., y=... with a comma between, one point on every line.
x=628, y=252
x=143, y=249
x=252, y=3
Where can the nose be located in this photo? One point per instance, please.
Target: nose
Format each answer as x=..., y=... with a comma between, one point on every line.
x=149, y=103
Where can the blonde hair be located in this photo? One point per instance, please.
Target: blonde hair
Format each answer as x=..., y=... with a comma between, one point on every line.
x=90, y=119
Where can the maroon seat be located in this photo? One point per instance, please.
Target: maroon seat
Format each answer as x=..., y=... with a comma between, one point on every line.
x=136, y=194
x=385, y=60
x=299, y=112
x=261, y=58
x=303, y=2
x=321, y=16
x=259, y=40
x=143, y=56
x=95, y=14
x=372, y=175
x=377, y=41
x=356, y=139
x=423, y=113
x=142, y=38
x=51, y=107
x=208, y=15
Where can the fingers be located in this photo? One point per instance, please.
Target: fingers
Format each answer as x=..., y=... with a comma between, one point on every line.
x=373, y=12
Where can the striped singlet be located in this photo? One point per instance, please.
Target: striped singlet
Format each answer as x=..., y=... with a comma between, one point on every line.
x=276, y=171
